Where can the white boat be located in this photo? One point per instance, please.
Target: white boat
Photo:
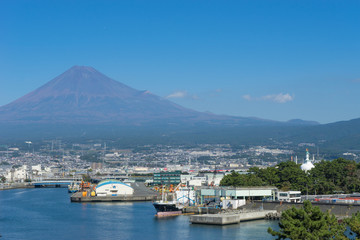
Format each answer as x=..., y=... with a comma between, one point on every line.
x=74, y=187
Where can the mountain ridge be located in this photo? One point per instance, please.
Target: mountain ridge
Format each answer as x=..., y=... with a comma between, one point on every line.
x=82, y=102
x=84, y=95
x=83, y=91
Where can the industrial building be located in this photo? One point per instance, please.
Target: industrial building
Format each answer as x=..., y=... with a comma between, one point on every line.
x=289, y=196
x=214, y=194
x=167, y=178
x=113, y=188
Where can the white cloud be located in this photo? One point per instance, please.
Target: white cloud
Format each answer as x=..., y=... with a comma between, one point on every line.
x=183, y=94
x=247, y=97
x=195, y=97
x=177, y=94
x=278, y=98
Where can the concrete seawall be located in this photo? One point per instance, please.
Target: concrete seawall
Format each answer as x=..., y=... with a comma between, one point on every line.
x=226, y=218
x=15, y=186
x=200, y=210
x=340, y=210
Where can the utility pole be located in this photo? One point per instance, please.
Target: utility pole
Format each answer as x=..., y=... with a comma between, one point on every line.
x=317, y=153
x=103, y=161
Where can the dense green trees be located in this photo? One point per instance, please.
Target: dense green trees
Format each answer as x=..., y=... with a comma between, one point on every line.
x=237, y=179
x=286, y=176
x=327, y=177
x=354, y=225
x=338, y=175
x=309, y=223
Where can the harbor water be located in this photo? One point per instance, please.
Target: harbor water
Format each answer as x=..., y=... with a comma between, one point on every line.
x=47, y=213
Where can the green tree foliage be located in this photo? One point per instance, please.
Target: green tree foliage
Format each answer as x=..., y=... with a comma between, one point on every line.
x=236, y=179
x=354, y=225
x=269, y=175
x=337, y=175
x=86, y=178
x=327, y=177
x=286, y=176
x=309, y=223
x=290, y=174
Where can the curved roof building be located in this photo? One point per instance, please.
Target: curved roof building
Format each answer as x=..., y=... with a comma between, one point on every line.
x=112, y=187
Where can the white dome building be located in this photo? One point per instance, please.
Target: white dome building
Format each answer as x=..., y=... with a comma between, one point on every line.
x=113, y=187
x=307, y=165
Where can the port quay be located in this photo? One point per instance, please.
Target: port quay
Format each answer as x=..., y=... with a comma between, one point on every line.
x=242, y=204
x=197, y=194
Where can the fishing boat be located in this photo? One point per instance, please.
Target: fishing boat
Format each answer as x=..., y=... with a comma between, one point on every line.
x=167, y=208
x=73, y=187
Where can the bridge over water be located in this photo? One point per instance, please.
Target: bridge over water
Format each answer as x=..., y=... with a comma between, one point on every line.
x=55, y=182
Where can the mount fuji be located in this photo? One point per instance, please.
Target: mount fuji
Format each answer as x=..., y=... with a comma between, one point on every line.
x=82, y=95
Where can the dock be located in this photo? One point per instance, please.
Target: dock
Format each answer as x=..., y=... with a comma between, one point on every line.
x=141, y=193
x=200, y=210
x=77, y=197
x=229, y=218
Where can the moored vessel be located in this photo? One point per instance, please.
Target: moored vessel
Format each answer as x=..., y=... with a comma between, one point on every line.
x=74, y=187
x=165, y=209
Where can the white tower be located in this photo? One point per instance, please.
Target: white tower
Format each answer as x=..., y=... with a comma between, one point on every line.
x=308, y=164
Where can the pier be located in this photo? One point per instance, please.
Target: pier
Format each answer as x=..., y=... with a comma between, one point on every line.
x=230, y=218
x=141, y=193
x=77, y=197
x=200, y=210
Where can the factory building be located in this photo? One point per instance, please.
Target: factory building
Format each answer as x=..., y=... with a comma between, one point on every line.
x=214, y=194
x=167, y=178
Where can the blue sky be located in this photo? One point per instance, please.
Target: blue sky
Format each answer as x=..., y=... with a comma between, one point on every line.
x=277, y=60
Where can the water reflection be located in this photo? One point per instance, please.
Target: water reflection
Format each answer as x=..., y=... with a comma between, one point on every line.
x=49, y=214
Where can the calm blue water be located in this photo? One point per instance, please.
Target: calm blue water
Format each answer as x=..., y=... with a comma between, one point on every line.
x=49, y=214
